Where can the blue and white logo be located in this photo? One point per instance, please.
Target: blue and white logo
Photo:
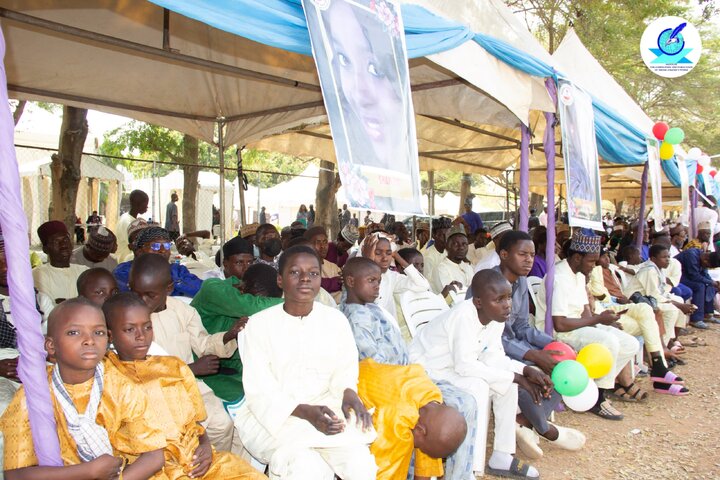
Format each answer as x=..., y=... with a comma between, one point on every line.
x=670, y=47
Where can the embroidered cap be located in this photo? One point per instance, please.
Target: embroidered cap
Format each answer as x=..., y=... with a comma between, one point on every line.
x=136, y=226
x=585, y=241
x=249, y=229
x=704, y=226
x=101, y=240
x=500, y=228
x=455, y=230
x=350, y=233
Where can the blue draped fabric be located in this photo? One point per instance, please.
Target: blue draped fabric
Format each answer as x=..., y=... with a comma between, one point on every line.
x=672, y=172
x=281, y=24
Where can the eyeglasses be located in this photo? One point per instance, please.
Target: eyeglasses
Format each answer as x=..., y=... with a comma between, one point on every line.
x=157, y=246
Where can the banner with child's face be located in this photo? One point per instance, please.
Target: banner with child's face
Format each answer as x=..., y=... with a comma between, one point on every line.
x=359, y=50
x=582, y=173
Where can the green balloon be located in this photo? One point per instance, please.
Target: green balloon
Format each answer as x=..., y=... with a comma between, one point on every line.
x=570, y=378
x=674, y=136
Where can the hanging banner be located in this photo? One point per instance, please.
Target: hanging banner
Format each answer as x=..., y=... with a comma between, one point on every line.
x=582, y=174
x=684, y=189
x=654, y=170
x=359, y=50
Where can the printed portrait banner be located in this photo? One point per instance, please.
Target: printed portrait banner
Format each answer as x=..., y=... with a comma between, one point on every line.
x=359, y=49
x=582, y=173
x=655, y=174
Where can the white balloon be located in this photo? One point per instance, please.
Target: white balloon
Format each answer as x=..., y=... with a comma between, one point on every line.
x=704, y=161
x=585, y=400
x=694, y=153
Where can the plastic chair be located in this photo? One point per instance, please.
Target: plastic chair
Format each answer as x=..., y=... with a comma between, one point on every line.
x=459, y=296
x=419, y=308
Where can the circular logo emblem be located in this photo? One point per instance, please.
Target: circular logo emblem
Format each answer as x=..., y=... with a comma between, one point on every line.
x=566, y=94
x=670, y=47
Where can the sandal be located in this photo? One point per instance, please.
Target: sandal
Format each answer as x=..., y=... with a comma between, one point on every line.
x=518, y=469
x=674, y=390
x=677, y=347
x=669, y=378
x=631, y=394
x=699, y=341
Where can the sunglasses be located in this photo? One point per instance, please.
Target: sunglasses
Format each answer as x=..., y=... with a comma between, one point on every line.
x=157, y=246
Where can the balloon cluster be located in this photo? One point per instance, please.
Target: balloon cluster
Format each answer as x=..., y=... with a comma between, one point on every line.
x=703, y=161
x=669, y=136
x=572, y=375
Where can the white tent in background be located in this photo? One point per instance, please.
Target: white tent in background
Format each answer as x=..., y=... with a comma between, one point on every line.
x=97, y=181
x=208, y=194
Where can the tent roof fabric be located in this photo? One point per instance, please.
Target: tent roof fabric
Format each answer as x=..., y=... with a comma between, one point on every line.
x=56, y=53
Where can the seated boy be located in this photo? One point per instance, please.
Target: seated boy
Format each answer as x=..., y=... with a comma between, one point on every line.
x=300, y=377
x=173, y=393
x=122, y=427
x=463, y=346
x=221, y=303
x=377, y=336
x=97, y=285
x=379, y=248
x=156, y=241
x=409, y=414
x=576, y=324
x=179, y=331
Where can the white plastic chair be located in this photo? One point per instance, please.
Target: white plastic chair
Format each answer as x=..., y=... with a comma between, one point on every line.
x=419, y=308
x=458, y=296
x=533, y=288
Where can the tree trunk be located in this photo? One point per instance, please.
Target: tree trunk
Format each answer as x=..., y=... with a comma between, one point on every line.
x=19, y=111
x=65, y=166
x=325, y=201
x=464, y=191
x=191, y=154
x=619, y=207
x=536, y=202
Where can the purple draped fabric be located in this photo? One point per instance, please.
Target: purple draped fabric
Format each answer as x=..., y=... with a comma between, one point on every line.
x=524, y=178
x=549, y=147
x=643, y=202
x=31, y=368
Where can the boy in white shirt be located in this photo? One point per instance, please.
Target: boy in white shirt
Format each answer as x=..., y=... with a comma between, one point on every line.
x=464, y=347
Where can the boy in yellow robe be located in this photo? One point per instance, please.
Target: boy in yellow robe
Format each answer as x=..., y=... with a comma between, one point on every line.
x=81, y=381
x=174, y=395
x=409, y=415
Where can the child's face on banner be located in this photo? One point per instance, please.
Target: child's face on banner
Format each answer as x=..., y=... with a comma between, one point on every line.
x=366, y=79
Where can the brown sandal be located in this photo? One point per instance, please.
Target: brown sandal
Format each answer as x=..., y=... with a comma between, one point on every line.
x=631, y=394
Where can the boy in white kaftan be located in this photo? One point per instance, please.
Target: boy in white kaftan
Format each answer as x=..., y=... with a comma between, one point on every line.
x=300, y=372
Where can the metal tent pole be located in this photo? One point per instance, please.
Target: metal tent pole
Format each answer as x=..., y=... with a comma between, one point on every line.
x=221, y=157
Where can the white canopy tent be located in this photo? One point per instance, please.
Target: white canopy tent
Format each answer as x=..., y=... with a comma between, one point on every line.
x=36, y=177
x=135, y=59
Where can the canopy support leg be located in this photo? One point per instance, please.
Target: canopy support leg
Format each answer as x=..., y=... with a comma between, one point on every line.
x=549, y=147
x=524, y=178
x=221, y=158
x=643, y=206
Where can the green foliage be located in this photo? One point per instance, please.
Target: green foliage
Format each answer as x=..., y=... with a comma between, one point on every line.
x=611, y=30
x=150, y=142
x=143, y=141
x=271, y=162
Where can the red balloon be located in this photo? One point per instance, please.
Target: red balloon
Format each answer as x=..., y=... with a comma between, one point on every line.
x=699, y=169
x=567, y=352
x=713, y=173
x=660, y=129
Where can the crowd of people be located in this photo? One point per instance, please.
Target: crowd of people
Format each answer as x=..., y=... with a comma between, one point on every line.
x=296, y=355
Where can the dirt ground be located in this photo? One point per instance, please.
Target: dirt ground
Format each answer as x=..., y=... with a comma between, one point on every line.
x=664, y=438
